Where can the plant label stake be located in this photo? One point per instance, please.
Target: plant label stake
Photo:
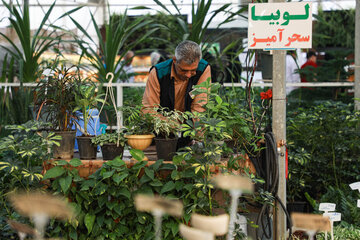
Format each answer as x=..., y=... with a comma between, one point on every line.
x=334, y=217
x=356, y=186
x=236, y=186
x=158, y=206
x=311, y=223
x=326, y=208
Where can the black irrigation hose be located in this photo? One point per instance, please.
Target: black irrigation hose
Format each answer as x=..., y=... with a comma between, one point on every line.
x=271, y=176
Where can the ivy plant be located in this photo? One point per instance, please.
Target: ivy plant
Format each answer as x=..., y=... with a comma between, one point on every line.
x=115, y=137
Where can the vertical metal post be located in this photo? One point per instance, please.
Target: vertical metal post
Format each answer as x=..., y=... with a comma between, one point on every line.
x=279, y=129
x=357, y=55
x=119, y=101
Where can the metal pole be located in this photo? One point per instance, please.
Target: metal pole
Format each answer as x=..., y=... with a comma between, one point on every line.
x=357, y=55
x=279, y=129
x=119, y=98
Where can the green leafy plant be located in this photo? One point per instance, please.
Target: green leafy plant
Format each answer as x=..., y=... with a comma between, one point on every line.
x=208, y=126
x=334, y=28
x=55, y=96
x=138, y=123
x=343, y=231
x=327, y=133
x=22, y=154
x=86, y=100
x=200, y=22
x=167, y=124
x=103, y=56
x=295, y=187
x=26, y=148
x=346, y=202
x=32, y=45
x=115, y=137
x=161, y=37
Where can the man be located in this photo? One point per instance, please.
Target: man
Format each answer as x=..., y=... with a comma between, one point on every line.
x=170, y=82
x=292, y=76
x=127, y=71
x=310, y=64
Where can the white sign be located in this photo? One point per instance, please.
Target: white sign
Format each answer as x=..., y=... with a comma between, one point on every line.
x=280, y=25
x=327, y=207
x=355, y=186
x=334, y=216
x=358, y=203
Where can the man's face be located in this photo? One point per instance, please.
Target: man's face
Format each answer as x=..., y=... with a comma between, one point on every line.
x=185, y=71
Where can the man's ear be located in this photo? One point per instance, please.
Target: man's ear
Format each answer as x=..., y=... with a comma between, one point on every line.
x=174, y=59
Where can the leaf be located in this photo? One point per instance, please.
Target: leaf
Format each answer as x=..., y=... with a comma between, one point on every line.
x=167, y=187
x=117, y=209
x=179, y=185
x=175, y=175
x=75, y=162
x=101, y=188
x=177, y=159
x=137, y=154
x=218, y=99
x=117, y=162
x=174, y=228
x=156, y=165
x=54, y=172
x=125, y=193
x=65, y=183
x=89, y=221
x=61, y=163
x=107, y=174
x=156, y=183
x=88, y=183
x=139, y=165
x=119, y=177
x=149, y=173
x=101, y=201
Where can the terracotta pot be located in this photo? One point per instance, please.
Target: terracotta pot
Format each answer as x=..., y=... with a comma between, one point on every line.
x=111, y=151
x=87, y=150
x=140, y=142
x=66, y=148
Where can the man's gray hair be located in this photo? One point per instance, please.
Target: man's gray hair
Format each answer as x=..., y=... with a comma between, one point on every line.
x=188, y=51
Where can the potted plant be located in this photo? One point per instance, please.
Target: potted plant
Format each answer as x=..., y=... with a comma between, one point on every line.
x=139, y=128
x=167, y=125
x=207, y=127
x=112, y=144
x=86, y=101
x=54, y=99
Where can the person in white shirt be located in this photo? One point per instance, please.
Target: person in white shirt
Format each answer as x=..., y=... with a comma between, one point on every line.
x=127, y=69
x=292, y=75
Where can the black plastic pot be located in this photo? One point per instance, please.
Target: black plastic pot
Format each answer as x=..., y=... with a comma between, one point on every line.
x=166, y=148
x=111, y=151
x=87, y=150
x=66, y=148
x=297, y=207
